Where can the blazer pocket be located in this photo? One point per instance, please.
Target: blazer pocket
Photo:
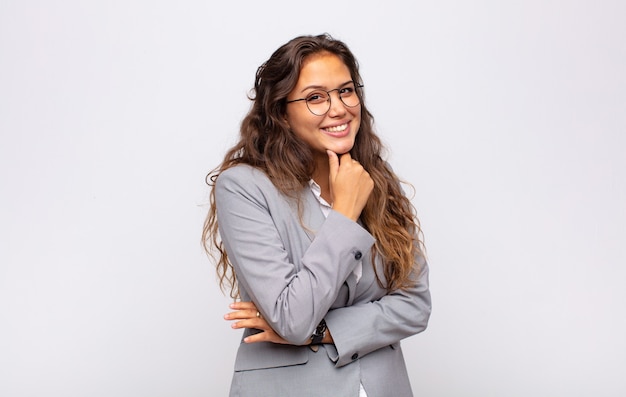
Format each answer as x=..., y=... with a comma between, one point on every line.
x=263, y=355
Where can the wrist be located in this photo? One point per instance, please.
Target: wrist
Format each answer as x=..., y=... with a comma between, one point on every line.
x=319, y=334
x=346, y=211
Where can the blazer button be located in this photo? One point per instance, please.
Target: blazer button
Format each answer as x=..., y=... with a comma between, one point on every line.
x=355, y=356
x=358, y=255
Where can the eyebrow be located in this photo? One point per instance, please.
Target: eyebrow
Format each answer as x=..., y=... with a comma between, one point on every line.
x=321, y=87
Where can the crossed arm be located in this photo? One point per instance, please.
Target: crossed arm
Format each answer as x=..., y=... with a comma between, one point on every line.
x=245, y=314
x=358, y=329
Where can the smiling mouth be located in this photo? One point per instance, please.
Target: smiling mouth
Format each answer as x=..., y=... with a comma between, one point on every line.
x=337, y=128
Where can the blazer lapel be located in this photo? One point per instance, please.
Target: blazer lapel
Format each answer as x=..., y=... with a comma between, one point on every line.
x=312, y=215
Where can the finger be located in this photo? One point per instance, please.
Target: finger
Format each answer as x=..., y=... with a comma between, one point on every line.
x=251, y=323
x=333, y=162
x=242, y=314
x=255, y=338
x=247, y=309
x=243, y=306
x=345, y=158
x=265, y=336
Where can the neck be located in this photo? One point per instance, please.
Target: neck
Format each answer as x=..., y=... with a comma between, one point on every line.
x=320, y=176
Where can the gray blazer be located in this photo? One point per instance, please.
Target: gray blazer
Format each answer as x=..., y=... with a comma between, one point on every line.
x=298, y=270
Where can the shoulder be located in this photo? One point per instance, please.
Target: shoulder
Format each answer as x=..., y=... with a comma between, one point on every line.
x=240, y=172
x=244, y=178
x=243, y=173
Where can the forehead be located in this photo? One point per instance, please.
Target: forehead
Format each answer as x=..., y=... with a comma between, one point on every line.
x=323, y=69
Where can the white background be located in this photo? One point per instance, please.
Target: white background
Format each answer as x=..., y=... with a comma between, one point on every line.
x=508, y=117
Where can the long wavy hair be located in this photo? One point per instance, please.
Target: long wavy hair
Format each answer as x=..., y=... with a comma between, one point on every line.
x=267, y=144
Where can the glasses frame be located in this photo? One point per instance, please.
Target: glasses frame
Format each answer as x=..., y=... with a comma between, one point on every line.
x=356, y=88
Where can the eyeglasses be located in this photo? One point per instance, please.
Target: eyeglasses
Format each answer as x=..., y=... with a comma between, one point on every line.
x=318, y=101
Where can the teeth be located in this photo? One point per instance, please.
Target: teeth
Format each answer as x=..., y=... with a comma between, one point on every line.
x=338, y=128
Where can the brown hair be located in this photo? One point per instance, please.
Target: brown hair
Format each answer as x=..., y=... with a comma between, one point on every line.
x=388, y=215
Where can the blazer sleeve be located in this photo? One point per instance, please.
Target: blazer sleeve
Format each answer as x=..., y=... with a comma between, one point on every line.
x=293, y=298
x=365, y=327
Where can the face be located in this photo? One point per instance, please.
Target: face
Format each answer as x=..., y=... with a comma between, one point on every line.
x=337, y=129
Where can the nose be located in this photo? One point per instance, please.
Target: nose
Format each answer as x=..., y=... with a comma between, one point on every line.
x=337, y=108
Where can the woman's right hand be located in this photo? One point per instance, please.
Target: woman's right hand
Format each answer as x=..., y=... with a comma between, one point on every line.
x=350, y=185
x=248, y=316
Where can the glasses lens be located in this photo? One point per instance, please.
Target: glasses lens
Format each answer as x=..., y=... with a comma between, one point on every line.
x=349, y=96
x=318, y=103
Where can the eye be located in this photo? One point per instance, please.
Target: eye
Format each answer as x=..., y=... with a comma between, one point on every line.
x=346, y=91
x=317, y=98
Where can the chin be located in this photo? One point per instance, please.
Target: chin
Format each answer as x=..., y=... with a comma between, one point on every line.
x=341, y=149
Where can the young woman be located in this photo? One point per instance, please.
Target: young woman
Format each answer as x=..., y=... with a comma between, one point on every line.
x=315, y=237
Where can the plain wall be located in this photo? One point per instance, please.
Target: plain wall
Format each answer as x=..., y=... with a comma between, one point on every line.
x=509, y=118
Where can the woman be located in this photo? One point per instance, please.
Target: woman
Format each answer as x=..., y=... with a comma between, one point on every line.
x=315, y=237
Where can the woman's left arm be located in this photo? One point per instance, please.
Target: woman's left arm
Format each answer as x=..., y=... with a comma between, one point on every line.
x=365, y=327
